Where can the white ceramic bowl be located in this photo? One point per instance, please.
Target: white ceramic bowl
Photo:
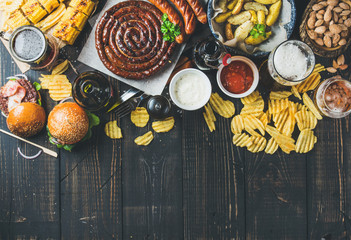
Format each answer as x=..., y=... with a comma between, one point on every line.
x=255, y=72
x=198, y=95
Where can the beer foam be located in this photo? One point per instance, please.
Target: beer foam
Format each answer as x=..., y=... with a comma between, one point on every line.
x=28, y=44
x=290, y=62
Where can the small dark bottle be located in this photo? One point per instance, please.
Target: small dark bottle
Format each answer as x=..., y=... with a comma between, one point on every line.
x=158, y=107
x=92, y=91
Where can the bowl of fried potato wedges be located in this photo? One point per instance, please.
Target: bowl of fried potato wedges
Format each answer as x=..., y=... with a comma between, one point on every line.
x=252, y=27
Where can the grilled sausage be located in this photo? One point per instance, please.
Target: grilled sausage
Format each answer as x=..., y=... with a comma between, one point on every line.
x=198, y=10
x=187, y=14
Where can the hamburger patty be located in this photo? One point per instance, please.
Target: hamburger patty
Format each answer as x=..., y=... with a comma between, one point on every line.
x=31, y=95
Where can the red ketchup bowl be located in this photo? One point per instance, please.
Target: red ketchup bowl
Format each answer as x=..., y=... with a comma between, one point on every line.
x=238, y=79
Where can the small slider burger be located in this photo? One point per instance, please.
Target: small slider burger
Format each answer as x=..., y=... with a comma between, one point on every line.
x=69, y=124
x=18, y=102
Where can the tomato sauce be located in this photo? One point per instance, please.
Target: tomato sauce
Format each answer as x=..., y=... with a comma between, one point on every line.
x=237, y=77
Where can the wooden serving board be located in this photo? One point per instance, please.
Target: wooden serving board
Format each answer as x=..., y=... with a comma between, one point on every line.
x=319, y=50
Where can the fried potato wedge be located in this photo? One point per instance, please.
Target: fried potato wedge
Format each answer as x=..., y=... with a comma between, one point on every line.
x=255, y=6
x=274, y=11
x=239, y=18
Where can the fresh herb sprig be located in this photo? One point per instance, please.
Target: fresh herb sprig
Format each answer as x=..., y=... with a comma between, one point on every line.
x=170, y=31
x=258, y=30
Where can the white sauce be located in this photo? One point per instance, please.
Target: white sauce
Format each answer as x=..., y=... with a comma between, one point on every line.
x=290, y=62
x=190, y=89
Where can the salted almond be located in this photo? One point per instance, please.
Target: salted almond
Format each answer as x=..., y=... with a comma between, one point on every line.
x=335, y=29
x=342, y=42
x=329, y=33
x=331, y=70
x=322, y=11
x=344, y=34
x=322, y=29
x=332, y=2
x=328, y=15
x=312, y=34
x=347, y=22
x=345, y=12
x=338, y=9
x=319, y=23
x=341, y=60
x=317, y=7
x=311, y=23
x=323, y=3
x=336, y=39
x=319, y=41
x=343, y=27
x=313, y=14
x=335, y=64
x=344, y=6
x=327, y=41
x=344, y=67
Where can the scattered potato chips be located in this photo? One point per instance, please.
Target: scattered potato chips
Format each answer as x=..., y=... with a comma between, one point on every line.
x=139, y=117
x=164, y=125
x=251, y=123
x=242, y=140
x=305, y=119
x=309, y=83
x=255, y=108
x=305, y=141
x=209, y=117
x=271, y=147
x=310, y=105
x=112, y=130
x=295, y=92
x=224, y=108
x=237, y=124
x=251, y=98
x=144, y=139
x=276, y=106
x=58, y=85
x=279, y=95
x=258, y=144
x=285, y=143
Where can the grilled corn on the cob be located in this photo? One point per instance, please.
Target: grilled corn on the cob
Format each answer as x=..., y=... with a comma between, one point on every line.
x=52, y=19
x=74, y=18
x=49, y=5
x=16, y=20
x=84, y=6
x=65, y=32
x=33, y=11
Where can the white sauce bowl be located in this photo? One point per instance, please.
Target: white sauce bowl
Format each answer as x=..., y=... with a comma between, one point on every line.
x=255, y=72
x=190, y=89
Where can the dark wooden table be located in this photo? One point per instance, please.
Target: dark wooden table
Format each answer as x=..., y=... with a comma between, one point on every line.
x=187, y=184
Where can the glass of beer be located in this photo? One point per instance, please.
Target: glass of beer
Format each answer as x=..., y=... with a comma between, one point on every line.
x=333, y=97
x=291, y=62
x=30, y=45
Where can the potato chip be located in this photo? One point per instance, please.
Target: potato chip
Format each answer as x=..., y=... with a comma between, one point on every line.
x=144, y=139
x=139, y=117
x=280, y=119
x=252, y=123
x=209, y=117
x=276, y=106
x=279, y=95
x=285, y=143
x=224, y=108
x=255, y=108
x=251, y=98
x=164, y=125
x=305, y=142
x=58, y=85
x=271, y=147
x=295, y=92
x=237, y=124
x=242, y=140
x=305, y=119
x=310, y=105
x=289, y=126
x=309, y=83
x=258, y=144
x=264, y=119
x=112, y=130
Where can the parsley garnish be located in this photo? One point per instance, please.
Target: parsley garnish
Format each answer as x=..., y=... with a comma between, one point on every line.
x=258, y=30
x=169, y=30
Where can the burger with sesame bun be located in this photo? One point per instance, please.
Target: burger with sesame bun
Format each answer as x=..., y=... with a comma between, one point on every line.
x=69, y=124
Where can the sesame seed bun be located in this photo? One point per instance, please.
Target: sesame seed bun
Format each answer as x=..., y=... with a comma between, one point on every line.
x=68, y=123
x=26, y=120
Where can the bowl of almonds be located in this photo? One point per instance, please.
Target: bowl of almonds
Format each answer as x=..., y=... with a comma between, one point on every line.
x=326, y=26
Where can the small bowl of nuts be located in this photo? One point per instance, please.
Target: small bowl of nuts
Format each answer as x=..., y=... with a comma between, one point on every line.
x=326, y=26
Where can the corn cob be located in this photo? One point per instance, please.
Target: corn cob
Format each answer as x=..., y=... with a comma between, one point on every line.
x=49, y=5
x=84, y=6
x=52, y=19
x=65, y=32
x=33, y=11
x=16, y=20
x=74, y=18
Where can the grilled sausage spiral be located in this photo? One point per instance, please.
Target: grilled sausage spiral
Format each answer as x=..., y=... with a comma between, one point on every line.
x=129, y=40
